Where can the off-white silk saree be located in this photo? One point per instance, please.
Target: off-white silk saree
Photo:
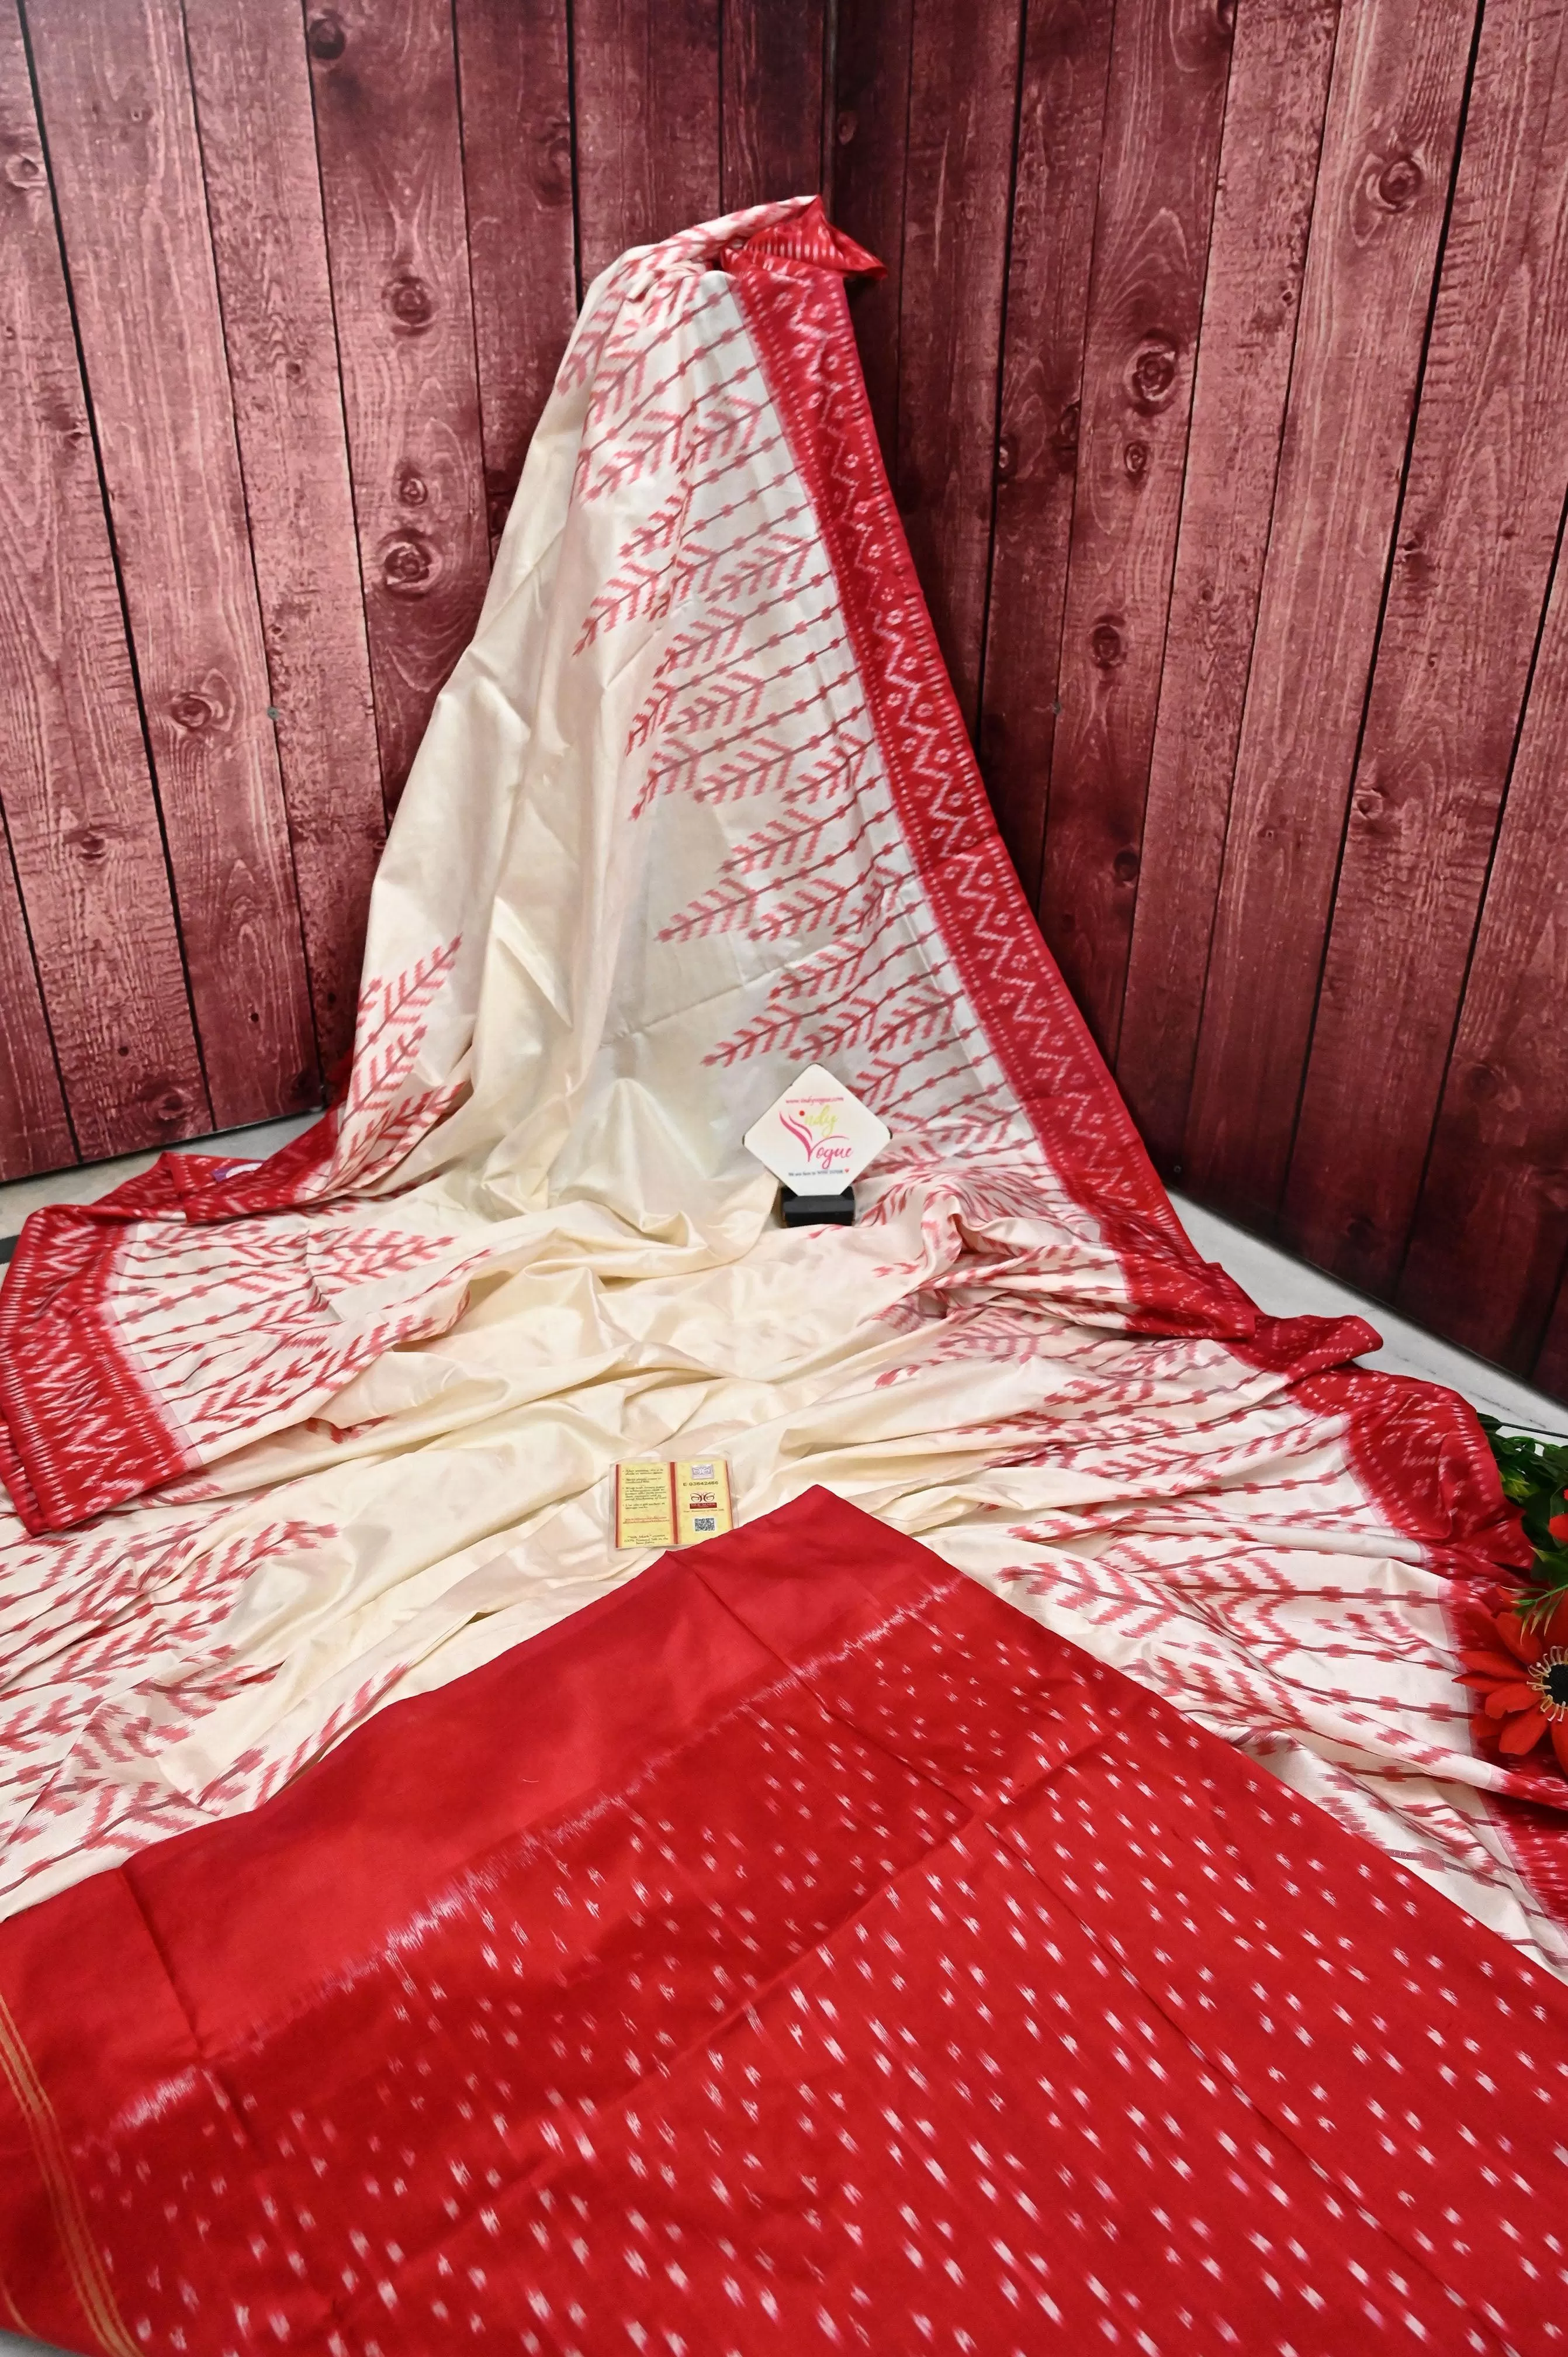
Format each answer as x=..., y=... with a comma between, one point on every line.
x=695, y=810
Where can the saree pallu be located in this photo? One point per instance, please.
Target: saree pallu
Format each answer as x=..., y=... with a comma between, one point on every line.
x=288, y=1442
x=798, y=1950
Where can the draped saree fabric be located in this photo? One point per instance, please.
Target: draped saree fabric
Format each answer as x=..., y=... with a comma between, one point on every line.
x=797, y=1950
x=288, y=1443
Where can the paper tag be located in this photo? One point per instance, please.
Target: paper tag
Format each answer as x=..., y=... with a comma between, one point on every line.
x=645, y=1506
x=663, y=1505
x=818, y=1136
x=702, y=1501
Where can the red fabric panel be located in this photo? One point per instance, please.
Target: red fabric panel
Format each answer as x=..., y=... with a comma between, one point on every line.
x=800, y=1949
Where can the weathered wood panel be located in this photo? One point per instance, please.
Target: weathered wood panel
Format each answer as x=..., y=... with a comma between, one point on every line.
x=1268, y=175
x=34, y=1134
x=1066, y=54
x=1389, y=143
x=515, y=87
x=646, y=77
x=1491, y=1231
x=1476, y=540
x=384, y=75
x=122, y=134
x=1169, y=65
x=963, y=101
x=866, y=170
x=77, y=796
x=771, y=102
x=263, y=198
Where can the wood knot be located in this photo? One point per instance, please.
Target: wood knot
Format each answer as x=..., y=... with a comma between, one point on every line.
x=191, y=711
x=172, y=1106
x=1064, y=441
x=1007, y=459
x=325, y=38
x=1124, y=867
x=1369, y=803
x=90, y=843
x=1152, y=375
x=409, y=566
x=553, y=180
x=1107, y=645
x=846, y=126
x=412, y=488
x=1399, y=183
x=1482, y=1081
x=410, y=301
x=1135, y=457
x=25, y=171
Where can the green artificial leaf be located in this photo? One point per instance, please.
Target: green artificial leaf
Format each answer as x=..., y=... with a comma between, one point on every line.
x=1535, y=1476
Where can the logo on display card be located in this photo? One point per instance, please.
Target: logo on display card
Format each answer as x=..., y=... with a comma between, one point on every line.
x=817, y=1137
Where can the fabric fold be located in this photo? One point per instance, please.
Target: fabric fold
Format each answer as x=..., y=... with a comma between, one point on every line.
x=798, y=1948
x=288, y=1443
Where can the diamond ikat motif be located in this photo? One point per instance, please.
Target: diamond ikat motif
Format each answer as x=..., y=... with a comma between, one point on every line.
x=899, y=1977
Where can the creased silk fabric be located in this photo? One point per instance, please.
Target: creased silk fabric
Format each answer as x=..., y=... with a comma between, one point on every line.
x=288, y=1441
x=798, y=1950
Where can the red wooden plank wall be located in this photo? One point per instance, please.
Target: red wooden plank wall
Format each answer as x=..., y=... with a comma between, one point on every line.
x=282, y=295
x=1221, y=368
x=1222, y=374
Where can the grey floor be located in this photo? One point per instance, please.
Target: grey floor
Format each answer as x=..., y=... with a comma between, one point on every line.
x=1285, y=1286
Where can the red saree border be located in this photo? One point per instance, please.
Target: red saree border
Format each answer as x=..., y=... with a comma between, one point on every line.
x=799, y=318
x=1417, y=1450
x=992, y=1805
x=82, y=2269
x=74, y=1391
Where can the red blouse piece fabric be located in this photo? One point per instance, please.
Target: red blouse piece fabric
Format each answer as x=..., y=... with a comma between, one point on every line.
x=798, y=1950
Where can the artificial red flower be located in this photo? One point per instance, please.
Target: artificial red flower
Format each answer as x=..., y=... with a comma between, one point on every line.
x=1525, y=1682
x=1558, y=1526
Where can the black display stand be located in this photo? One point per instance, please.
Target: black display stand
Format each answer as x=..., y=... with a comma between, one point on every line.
x=816, y=1211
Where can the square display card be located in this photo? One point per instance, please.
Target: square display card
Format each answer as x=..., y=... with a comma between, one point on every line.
x=817, y=1137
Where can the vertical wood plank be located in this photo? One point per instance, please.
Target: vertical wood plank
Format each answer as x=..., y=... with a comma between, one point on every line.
x=1476, y=535
x=253, y=92
x=1169, y=63
x=771, y=100
x=34, y=1134
x=1067, y=53
x=1268, y=171
x=963, y=97
x=514, y=86
x=646, y=77
x=385, y=83
x=73, y=769
x=121, y=127
x=1551, y=1374
x=1491, y=1231
x=1394, y=115
x=870, y=118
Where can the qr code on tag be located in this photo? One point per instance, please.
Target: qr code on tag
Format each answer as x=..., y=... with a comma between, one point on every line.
x=704, y=1521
